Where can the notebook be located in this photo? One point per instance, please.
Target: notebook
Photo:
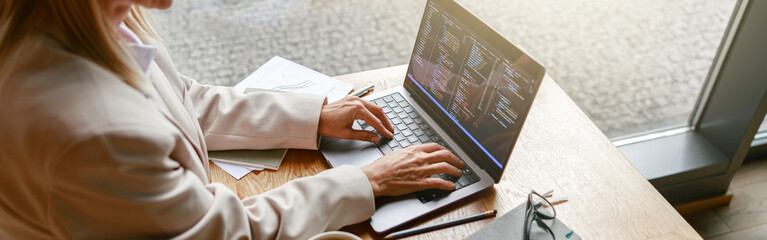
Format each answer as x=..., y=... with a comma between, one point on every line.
x=511, y=226
x=268, y=159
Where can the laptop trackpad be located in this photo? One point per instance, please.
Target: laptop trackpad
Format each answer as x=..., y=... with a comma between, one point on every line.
x=355, y=153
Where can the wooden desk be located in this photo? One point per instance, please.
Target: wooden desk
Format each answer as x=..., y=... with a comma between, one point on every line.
x=559, y=148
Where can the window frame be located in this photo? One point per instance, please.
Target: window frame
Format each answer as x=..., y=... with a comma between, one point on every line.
x=700, y=159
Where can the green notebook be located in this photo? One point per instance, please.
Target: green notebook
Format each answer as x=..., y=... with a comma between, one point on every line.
x=268, y=159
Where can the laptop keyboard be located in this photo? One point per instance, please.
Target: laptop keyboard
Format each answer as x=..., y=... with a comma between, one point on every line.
x=411, y=129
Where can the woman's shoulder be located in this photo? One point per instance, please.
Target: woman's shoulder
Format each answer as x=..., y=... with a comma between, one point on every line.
x=57, y=94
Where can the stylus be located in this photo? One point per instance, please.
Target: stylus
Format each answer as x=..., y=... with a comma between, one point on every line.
x=364, y=90
x=419, y=230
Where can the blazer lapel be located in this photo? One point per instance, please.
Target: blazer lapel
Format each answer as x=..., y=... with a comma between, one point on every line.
x=169, y=104
x=171, y=99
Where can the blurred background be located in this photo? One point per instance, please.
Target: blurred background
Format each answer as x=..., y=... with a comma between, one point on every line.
x=632, y=66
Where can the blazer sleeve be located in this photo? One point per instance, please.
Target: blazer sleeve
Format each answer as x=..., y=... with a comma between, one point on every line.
x=258, y=120
x=122, y=184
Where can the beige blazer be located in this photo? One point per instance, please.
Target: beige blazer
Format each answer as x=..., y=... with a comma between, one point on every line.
x=85, y=156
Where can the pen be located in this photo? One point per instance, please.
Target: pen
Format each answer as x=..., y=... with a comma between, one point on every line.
x=419, y=230
x=364, y=90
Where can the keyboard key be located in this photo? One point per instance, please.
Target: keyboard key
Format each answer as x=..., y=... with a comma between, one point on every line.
x=424, y=139
x=398, y=97
x=430, y=132
x=407, y=133
x=436, y=138
x=419, y=120
x=407, y=120
x=413, y=139
x=472, y=178
x=392, y=143
x=387, y=109
x=458, y=185
x=413, y=126
x=408, y=109
x=403, y=116
x=430, y=194
x=379, y=102
x=466, y=171
x=385, y=149
x=399, y=137
x=463, y=181
x=398, y=110
x=419, y=132
x=413, y=114
x=405, y=144
x=401, y=126
x=396, y=120
x=404, y=104
x=388, y=99
x=449, y=177
x=391, y=115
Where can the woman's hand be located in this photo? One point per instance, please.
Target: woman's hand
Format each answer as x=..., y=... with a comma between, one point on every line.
x=336, y=120
x=410, y=169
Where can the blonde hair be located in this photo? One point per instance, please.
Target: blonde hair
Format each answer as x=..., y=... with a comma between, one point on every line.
x=80, y=26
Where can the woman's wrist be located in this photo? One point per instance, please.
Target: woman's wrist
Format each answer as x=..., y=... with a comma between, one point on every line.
x=369, y=173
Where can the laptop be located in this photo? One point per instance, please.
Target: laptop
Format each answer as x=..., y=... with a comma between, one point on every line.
x=468, y=89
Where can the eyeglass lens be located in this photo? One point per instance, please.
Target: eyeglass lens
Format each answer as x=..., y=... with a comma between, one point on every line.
x=537, y=217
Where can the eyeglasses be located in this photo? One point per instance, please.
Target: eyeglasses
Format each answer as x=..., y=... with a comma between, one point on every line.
x=537, y=210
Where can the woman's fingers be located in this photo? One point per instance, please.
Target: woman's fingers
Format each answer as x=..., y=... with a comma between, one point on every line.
x=428, y=147
x=440, y=167
x=374, y=122
x=437, y=153
x=438, y=183
x=336, y=119
x=444, y=155
x=379, y=113
x=361, y=135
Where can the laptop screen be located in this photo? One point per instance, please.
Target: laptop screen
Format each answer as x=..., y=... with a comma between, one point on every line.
x=482, y=93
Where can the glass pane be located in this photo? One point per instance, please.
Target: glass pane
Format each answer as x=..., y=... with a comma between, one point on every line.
x=632, y=66
x=761, y=134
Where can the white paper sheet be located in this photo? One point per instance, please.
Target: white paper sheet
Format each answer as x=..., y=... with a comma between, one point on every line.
x=283, y=75
x=237, y=171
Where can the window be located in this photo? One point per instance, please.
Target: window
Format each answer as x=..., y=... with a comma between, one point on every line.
x=632, y=66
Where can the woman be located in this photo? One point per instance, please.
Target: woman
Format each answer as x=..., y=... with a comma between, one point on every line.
x=101, y=137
